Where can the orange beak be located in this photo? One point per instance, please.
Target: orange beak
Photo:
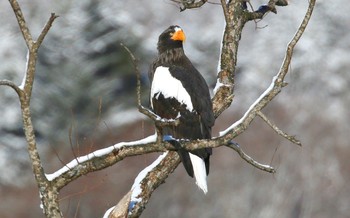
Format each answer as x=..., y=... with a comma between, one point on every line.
x=179, y=35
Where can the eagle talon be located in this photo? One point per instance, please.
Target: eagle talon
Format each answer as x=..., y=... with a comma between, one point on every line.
x=234, y=143
x=167, y=138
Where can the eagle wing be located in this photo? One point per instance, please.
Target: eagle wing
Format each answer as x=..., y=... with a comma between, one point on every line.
x=181, y=92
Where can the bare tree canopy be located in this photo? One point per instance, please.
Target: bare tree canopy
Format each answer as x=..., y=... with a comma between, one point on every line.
x=235, y=14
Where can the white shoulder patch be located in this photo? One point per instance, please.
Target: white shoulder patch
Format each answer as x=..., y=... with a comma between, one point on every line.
x=163, y=82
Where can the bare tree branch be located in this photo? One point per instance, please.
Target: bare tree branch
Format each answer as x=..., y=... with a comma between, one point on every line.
x=22, y=23
x=137, y=71
x=13, y=86
x=158, y=121
x=189, y=4
x=48, y=193
x=250, y=160
x=121, y=209
x=28, y=80
x=45, y=30
x=278, y=130
x=149, y=179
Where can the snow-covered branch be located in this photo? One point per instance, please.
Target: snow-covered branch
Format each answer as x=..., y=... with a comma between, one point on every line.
x=103, y=158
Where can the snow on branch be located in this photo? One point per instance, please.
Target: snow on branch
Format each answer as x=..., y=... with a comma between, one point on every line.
x=147, y=181
x=139, y=180
x=103, y=158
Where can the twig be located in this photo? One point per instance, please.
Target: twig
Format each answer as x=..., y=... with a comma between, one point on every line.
x=295, y=39
x=138, y=74
x=159, y=122
x=13, y=86
x=45, y=29
x=278, y=130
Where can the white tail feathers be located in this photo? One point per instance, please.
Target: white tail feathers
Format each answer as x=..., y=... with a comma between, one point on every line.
x=200, y=173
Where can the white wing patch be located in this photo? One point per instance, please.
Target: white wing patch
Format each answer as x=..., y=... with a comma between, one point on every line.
x=163, y=82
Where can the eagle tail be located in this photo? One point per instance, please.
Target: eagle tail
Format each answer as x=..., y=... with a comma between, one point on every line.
x=200, y=173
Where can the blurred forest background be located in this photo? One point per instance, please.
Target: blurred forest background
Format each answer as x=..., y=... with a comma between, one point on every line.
x=84, y=99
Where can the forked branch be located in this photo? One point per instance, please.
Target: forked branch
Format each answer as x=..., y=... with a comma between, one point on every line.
x=48, y=194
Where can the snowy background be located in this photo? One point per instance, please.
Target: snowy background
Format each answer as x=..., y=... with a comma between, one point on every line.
x=84, y=99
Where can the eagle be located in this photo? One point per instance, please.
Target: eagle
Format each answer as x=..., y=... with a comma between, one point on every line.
x=179, y=91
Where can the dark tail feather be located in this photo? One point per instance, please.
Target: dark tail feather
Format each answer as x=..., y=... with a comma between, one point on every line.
x=184, y=156
x=186, y=161
x=207, y=164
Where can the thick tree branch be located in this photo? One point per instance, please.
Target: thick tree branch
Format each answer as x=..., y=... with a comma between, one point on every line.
x=150, y=179
x=48, y=193
x=103, y=158
x=106, y=157
x=235, y=21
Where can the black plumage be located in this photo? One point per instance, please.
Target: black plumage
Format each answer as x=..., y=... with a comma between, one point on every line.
x=195, y=115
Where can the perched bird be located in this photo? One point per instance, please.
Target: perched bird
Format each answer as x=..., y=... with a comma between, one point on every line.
x=178, y=91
